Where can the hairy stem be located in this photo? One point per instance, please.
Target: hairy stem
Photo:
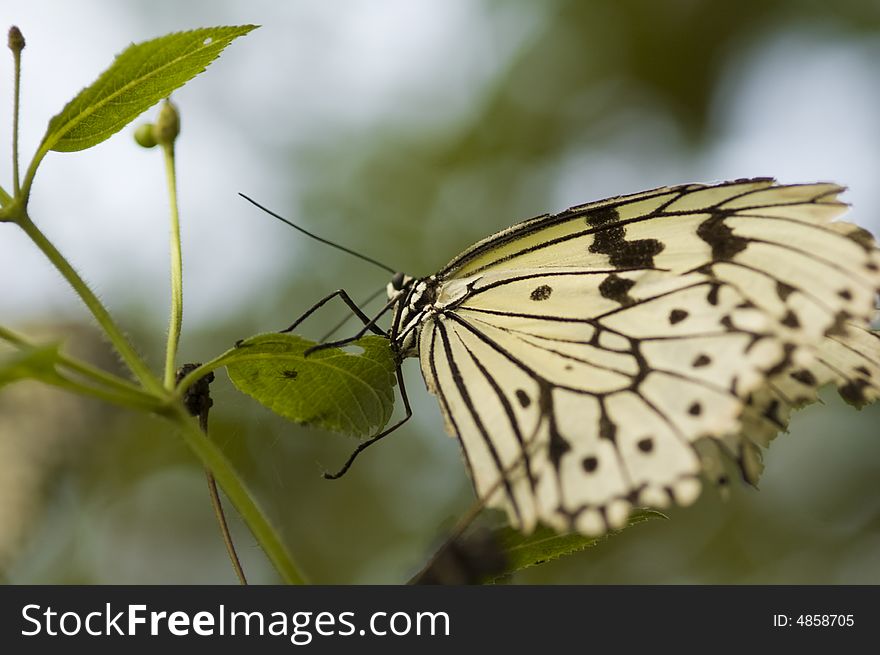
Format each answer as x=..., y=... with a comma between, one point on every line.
x=86, y=370
x=102, y=316
x=16, y=44
x=143, y=403
x=176, y=317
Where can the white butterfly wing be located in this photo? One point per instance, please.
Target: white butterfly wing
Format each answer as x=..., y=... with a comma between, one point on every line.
x=604, y=356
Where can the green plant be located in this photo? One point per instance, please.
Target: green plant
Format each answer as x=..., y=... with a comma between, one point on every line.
x=346, y=392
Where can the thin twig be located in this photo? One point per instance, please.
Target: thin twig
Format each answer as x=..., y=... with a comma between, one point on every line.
x=219, y=513
x=197, y=401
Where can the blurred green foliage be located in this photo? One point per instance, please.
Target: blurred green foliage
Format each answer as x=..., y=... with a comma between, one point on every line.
x=129, y=504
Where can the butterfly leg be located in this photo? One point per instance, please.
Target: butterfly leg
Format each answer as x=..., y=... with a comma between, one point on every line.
x=343, y=294
x=369, y=326
x=369, y=442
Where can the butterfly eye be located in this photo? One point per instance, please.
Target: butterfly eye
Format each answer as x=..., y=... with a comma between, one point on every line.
x=397, y=281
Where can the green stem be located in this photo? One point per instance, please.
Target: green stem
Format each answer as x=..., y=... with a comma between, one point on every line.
x=176, y=319
x=131, y=394
x=142, y=402
x=31, y=172
x=16, y=94
x=117, y=338
x=210, y=455
x=215, y=461
x=108, y=380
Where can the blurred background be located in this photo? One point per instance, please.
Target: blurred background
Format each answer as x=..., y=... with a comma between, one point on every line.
x=406, y=129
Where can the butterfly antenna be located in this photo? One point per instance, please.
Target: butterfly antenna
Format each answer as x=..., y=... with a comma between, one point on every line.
x=317, y=238
x=345, y=320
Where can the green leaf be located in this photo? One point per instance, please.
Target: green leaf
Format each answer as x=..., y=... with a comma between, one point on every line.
x=544, y=544
x=330, y=389
x=30, y=363
x=141, y=76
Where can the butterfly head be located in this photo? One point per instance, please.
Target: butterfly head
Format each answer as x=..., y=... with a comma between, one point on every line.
x=398, y=285
x=415, y=300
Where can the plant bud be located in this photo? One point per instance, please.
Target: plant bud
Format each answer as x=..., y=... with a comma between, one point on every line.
x=168, y=125
x=145, y=135
x=16, y=40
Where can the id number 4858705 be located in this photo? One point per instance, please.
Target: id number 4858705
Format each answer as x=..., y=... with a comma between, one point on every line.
x=814, y=620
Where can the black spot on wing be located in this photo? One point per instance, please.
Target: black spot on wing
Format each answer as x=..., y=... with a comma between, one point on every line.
x=677, y=316
x=590, y=464
x=646, y=445
x=610, y=239
x=720, y=237
x=784, y=290
x=838, y=328
x=701, y=360
x=791, y=320
x=523, y=398
x=771, y=413
x=804, y=377
x=602, y=216
x=558, y=446
x=712, y=297
x=784, y=363
x=541, y=293
x=853, y=392
x=695, y=409
x=617, y=289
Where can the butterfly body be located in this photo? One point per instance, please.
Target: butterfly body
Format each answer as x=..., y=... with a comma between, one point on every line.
x=614, y=354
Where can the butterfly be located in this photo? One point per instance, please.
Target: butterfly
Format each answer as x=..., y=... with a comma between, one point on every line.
x=617, y=353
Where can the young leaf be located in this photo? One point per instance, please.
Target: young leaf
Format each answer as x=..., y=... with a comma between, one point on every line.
x=525, y=550
x=142, y=75
x=330, y=389
x=29, y=363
